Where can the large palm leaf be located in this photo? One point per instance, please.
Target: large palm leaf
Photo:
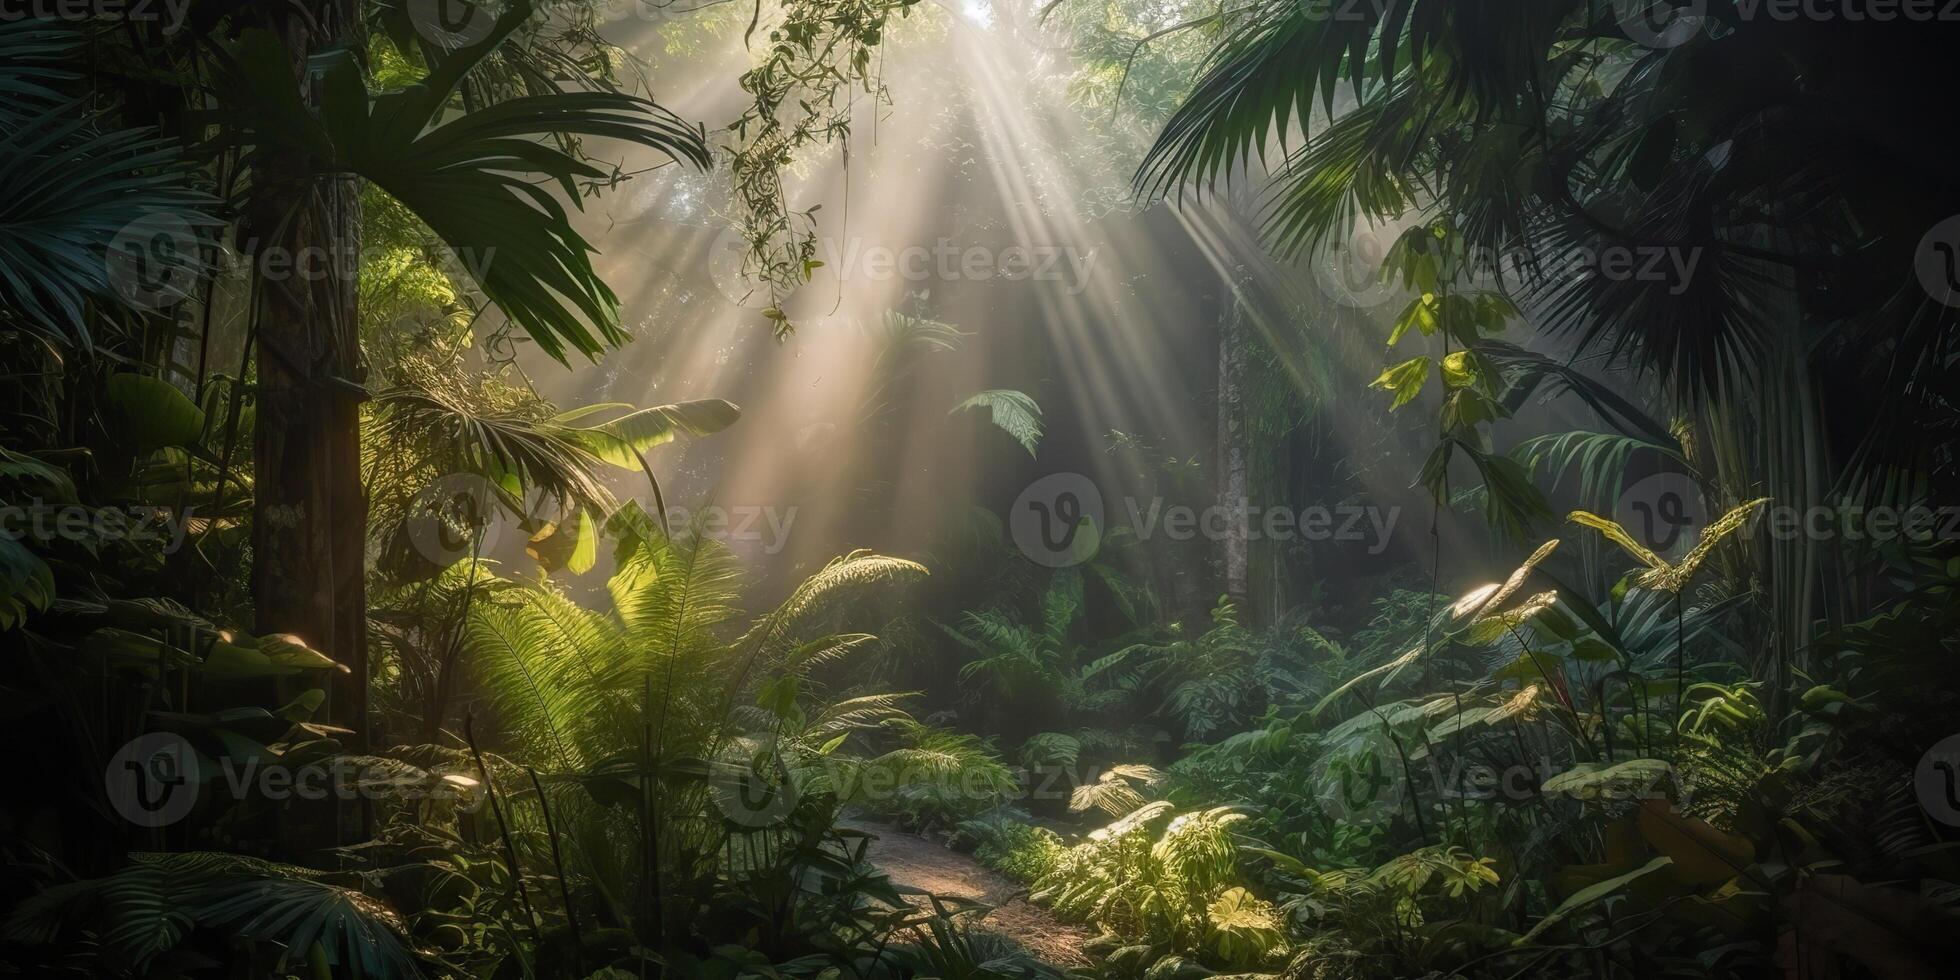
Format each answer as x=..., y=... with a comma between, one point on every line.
x=73, y=183
x=1282, y=57
x=149, y=907
x=480, y=180
x=518, y=452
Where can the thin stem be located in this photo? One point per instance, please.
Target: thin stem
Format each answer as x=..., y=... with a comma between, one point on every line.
x=1680, y=675
x=503, y=829
x=558, y=862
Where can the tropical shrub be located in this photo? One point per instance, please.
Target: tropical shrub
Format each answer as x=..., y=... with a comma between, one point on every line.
x=1019, y=850
x=1160, y=879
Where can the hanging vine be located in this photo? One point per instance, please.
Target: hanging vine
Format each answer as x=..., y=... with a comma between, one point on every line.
x=803, y=93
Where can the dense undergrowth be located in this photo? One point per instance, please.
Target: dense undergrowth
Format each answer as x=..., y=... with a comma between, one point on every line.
x=1514, y=789
x=281, y=705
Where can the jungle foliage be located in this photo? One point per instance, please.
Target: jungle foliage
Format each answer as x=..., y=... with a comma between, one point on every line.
x=263, y=515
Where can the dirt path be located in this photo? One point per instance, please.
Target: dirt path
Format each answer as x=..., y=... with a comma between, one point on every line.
x=920, y=863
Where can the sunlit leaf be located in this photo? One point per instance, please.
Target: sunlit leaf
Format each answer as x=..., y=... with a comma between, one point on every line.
x=1404, y=380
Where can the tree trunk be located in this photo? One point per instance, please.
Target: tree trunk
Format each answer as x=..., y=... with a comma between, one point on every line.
x=1234, y=484
x=310, y=513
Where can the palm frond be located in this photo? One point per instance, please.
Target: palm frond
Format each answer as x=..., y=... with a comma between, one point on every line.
x=622, y=439
x=283, y=904
x=76, y=187
x=1599, y=458
x=470, y=178
x=437, y=425
x=901, y=343
x=861, y=713
x=1115, y=791
x=148, y=907
x=1013, y=412
x=1252, y=90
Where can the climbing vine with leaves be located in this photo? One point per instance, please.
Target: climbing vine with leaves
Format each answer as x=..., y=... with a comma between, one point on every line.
x=803, y=94
x=1432, y=261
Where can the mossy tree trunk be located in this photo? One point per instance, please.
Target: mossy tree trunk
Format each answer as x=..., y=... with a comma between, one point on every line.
x=310, y=511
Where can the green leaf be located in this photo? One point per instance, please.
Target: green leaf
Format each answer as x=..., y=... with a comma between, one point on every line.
x=585, y=551
x=1408, y=657
x=1488, y=628
x=1595, y=781
x=288, y=651
x=235, y=662
x=1593, y=649
x=1462, y=369
x=26, y=582
x=150, y=413
x=304, y=706
x=1589, y=895
x=622, y=440
x=1013, y=412
x=1419, y=315
x=1404, y=380
x=86, y=200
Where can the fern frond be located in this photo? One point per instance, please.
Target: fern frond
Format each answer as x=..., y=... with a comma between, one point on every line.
x=817, y=595
x=542, y=692
x=673, y=595
x=853, y=714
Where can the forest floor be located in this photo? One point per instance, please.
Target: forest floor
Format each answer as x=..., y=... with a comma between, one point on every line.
x=909, y=859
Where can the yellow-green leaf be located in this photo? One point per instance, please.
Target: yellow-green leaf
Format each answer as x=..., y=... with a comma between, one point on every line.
x=1404, y=380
